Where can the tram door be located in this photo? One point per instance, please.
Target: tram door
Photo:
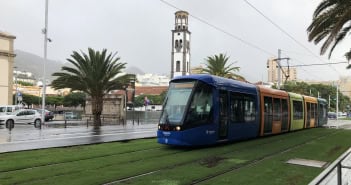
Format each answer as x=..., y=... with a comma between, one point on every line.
x=223, y=114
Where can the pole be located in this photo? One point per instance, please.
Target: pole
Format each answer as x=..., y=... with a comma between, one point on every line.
x=279, y=72
x=45, y=58
x=329, y=103
x=337, y=101
x=16, y=95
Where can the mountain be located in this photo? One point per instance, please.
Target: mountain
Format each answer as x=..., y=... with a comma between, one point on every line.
x=29, y=62
x=134, y=70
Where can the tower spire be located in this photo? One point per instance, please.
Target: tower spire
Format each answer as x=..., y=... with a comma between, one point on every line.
x=180, y=45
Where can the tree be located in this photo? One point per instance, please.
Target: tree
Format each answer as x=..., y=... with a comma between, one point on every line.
x=348, y=57
x=74, y=99
x=217, y=65
x=54, y=100
x=331, y=23
x=95, y=73
x=324, y=91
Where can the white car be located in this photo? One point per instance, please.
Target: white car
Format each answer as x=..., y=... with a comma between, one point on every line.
x=21, y=116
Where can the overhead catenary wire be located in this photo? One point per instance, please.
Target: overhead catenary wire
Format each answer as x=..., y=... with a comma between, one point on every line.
x=238, y=38
x=222, y=30
x=286, y=33
x=321, y=64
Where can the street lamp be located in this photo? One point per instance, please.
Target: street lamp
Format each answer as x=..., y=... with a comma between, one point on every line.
x=45, y=32
x=16, y=94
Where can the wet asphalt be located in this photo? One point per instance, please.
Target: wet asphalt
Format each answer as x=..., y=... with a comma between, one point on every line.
x=57, y=134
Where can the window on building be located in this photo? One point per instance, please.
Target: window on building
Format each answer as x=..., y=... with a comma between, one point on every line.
x=178, y=66
x=187, y=66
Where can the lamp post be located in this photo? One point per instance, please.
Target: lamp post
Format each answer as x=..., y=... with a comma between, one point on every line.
x=16, y=94
x=337, y=101
x=45, y=31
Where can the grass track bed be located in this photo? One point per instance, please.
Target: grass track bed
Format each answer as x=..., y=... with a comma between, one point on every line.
x=110, y=162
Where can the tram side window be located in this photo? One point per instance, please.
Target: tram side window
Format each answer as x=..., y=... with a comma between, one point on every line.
x=297, y=110
x=268, y=114
x=322, y=111
x=243, y=108
x=276, y=109
x=313, y=110
x=200, y=109
x=285, y=112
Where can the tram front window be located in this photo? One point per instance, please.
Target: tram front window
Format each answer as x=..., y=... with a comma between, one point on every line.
x=175, y=103
x=200, y=108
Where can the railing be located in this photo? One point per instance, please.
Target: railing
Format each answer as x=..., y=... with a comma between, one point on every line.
x=335, y=165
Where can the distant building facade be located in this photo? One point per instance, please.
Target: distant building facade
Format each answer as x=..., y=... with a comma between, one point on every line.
x=180, y=63
x=152, y=80
x=345, y=85
x=22, y=76
x=288, y=74
x=6, y=68
x=197, y=70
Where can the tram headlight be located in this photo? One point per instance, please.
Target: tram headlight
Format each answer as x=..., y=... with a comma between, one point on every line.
x=159, y=127
x=178, y=128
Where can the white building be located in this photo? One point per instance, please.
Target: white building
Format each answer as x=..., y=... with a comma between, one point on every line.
x=152, y=80
x=180, y=45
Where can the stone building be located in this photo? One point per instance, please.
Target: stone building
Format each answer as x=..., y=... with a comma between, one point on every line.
x=113, y=109
x=6, y=68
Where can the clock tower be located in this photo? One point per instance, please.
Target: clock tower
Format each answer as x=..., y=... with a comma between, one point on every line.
x=180, y=45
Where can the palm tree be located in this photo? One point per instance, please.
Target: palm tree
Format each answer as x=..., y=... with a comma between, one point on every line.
x=331, y=23
x=348, y=57
x=217, y=65
x=93, y=73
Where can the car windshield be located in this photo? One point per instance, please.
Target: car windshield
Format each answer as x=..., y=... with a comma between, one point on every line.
x=175, y=102
x=2, y=109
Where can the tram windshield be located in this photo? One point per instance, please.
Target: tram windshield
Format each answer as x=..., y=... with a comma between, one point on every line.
x=175, y=103
x=187, y=102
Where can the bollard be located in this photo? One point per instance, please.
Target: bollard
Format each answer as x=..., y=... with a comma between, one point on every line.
x=339, y=175
x=138, y=120
x=88, y=122
x=10, y=125
x=65, y=123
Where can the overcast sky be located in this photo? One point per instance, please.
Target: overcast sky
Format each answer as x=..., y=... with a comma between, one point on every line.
x=140, y=31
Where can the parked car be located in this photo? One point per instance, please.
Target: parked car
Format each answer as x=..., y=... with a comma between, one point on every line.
x=21, y=116
x=70, y=115
x=48, y=114
x=331, y=115
x=8, y=109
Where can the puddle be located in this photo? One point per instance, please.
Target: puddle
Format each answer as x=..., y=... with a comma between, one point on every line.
x=306, y=162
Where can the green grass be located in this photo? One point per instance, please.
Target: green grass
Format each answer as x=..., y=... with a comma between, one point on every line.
x=258, y=161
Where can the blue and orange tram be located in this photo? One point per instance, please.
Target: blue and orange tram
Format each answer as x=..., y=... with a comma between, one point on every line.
x=206, y=109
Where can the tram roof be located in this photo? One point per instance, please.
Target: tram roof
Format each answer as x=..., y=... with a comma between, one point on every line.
x=220, y=82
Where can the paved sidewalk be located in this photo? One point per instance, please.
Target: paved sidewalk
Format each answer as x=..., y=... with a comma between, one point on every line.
x=332, y=178
x=27, y=137
x=343, y=124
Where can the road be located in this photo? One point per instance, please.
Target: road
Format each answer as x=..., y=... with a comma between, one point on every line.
x=54, y=134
